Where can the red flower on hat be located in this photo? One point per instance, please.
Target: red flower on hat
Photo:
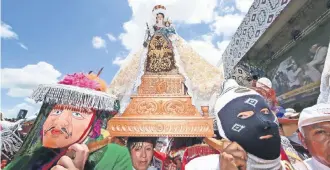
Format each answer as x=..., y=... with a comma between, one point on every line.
x=80, y=80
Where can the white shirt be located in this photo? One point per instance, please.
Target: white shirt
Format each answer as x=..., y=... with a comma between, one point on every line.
x=313, y=164
x=149, y=168
x=320, y=55
x=313, y=74
x=293, y=77
x=209, y=162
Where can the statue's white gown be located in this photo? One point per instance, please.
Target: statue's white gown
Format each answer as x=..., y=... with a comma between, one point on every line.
x=202, y=79
x=325, y=81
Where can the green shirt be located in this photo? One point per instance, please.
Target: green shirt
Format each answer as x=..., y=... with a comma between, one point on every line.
x=115, y=157
x=110, y=157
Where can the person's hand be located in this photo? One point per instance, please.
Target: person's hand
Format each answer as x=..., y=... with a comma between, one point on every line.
x=233, y=157
x=77, y=162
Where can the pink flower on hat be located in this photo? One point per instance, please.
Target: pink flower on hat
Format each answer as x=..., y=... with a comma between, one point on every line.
x=80, y=80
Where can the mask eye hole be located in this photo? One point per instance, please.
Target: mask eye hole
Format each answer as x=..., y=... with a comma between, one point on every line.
x=245, y=115
x=265, y=111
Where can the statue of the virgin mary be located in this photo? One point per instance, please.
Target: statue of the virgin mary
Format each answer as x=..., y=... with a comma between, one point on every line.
x=166, y=53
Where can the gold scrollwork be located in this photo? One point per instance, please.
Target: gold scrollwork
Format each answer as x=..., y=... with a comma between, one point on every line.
x=174, y=107
x=160, y=128
x=148, y=106
x=161, y=87
x=160, y=57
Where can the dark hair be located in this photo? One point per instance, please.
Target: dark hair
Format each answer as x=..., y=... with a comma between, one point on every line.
x=161, y=14
x=133, y=142
x=185, y=141
x=217, y=135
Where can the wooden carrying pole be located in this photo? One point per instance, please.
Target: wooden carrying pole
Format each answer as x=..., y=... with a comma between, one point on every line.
x=215, y=144
x=94, y=146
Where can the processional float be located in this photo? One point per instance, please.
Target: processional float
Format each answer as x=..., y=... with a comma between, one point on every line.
x=157, y=96
x=161, y=105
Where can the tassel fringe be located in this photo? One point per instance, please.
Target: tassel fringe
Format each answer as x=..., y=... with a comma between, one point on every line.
x=75, y=96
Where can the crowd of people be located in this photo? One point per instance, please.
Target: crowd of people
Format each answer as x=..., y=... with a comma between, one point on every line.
x=251, y=132
x=253, y=136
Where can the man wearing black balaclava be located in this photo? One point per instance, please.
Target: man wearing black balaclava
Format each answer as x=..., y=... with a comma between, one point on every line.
x=244, y=117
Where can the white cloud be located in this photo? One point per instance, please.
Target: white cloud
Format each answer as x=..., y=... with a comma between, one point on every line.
x=7, y=32
x=227, y=25
x=23, y=46
x=121, y=58
x=111, y=37
x=31, y=108
x=243, y=5
x=98, y=42
x=222, y=46
x=118, y=61
x=21, y=81
x=195, y=11
x=229, y=9
x=30, y=101
x=19, y=92
x=188, y=12
x=206, y=49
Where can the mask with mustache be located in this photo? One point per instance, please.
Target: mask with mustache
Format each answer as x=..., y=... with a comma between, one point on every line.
x=63, y=130
x=66, y=125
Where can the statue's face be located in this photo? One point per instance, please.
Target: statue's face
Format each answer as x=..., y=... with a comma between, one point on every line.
x=160, y=17
x=66, y=125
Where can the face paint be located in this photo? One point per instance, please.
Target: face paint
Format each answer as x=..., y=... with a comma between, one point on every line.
x=66, y=125
x=248, y=121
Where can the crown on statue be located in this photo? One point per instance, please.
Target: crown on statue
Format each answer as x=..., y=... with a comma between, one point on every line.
x=159, y=9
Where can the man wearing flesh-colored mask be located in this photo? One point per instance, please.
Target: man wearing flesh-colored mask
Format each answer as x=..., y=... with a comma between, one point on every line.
x=59, y=129
x=244, y=117
x=73, y=115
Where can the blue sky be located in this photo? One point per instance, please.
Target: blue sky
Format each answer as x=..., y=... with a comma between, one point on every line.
x=44, y=40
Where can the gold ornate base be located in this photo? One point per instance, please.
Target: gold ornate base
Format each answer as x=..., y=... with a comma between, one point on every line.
x=161, y=108
x=166, y=126
x=161, y=116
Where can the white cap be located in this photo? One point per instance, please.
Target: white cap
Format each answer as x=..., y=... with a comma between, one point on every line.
x=315, y=114
x=264, y=81
x=289, y=112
